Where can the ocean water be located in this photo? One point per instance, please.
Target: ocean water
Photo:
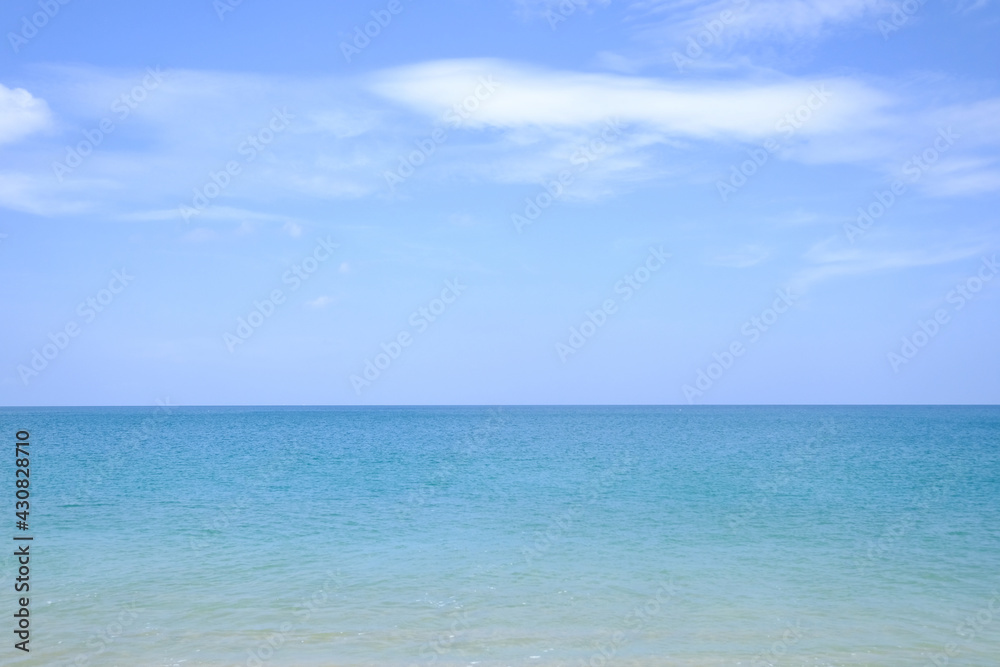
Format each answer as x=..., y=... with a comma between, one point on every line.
x=510, y=536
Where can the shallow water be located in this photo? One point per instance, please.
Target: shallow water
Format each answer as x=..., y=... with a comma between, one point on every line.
x=512, y=536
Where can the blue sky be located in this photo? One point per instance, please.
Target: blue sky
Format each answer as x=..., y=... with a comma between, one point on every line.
x=508, y=202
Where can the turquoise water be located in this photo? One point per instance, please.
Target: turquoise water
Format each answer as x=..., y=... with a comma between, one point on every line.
x=512, y=536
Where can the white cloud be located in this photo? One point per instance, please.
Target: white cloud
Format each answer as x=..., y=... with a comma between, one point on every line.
x=346, y=133
x=531, y=97
x=21, y=114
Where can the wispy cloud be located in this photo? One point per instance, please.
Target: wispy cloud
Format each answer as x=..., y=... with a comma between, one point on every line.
x=964, y=177
x=755, y=19
x=532, y=97
x=828, y=260
x=345, y=133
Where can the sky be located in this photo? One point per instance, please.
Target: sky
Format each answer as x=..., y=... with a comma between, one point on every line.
x=510, y=202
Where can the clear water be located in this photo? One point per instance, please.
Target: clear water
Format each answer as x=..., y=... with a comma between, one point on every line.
x=512, y=536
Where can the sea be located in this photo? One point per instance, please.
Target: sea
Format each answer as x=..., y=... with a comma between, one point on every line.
x=539, y=536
